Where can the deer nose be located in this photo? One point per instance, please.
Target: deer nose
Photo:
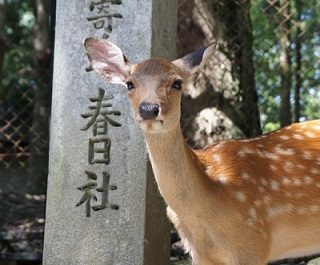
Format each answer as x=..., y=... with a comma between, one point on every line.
x=148, y=111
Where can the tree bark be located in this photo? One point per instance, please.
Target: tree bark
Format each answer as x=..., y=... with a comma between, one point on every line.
x=226, y=85
x=40, y=126
x=298, y=63
x=247, y=84
x=285, y=64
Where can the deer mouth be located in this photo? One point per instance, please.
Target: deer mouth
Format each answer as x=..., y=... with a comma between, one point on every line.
x=151, y=121
x=151, y=125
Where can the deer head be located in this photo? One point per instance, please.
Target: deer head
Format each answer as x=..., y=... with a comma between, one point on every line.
x=154, y=85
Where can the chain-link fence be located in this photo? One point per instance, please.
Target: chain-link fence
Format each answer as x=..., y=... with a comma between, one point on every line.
x=21, y=232
x=15, y=131
x=23, y=137
x=269, y=48
x=287, y=56
x=20, y=143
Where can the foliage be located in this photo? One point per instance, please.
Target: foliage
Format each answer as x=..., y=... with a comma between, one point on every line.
x=19, y=58
x=266, y=56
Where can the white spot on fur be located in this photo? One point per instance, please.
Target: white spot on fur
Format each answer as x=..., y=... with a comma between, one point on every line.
x=286, y=181
x=264, y=182
x=267, y=200
x=297, y=136
x=274, y=185
x=284, y=137
x=240, y=196
x=278, y=210
x=288, y=166
x=260, y=153
x=216, y=158
x=297, y=182
x=284, y=151
x=314, y=208
x=245, y=151
x=242, y=153
x=245, y=176
x=208, y=170
x=308, y=180
x=273, y=167
x=307, y=155
x=252, y=213
x=310, y=134
x=289, y=151
x=315, y=171
x=271, y=155
x=223, y=179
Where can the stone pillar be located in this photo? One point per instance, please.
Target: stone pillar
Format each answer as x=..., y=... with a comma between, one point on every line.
x=103, y=206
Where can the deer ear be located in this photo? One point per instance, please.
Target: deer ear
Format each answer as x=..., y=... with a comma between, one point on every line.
x=195, y=60
x=107, y=59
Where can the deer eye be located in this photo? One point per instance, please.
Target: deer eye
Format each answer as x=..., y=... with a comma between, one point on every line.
x=177, y=84
x=130, y=85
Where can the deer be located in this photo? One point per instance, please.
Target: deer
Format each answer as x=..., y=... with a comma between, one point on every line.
x=237, y=202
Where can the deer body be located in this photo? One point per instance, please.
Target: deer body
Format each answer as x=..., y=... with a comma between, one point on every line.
x=275, y=206
x=239, y=202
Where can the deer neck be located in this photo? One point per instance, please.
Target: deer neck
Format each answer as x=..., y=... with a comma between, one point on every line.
x=177, y=170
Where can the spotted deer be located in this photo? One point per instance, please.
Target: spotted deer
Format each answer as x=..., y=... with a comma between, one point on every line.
x=238, y=202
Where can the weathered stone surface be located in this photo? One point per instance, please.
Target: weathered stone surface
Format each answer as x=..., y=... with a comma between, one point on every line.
x=136, y=233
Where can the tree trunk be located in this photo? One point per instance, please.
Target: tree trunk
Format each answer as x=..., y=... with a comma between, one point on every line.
x=2, y=43
x=298, y=63
x=247, y=84
x=222, y=103
x=285, y=65
x=40, y=125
